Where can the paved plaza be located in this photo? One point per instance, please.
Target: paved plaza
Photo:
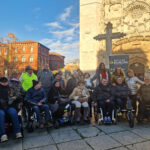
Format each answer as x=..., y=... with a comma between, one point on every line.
x=85, y=137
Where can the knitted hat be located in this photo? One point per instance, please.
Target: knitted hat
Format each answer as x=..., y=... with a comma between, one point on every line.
x=28, y=68
x=3, y=79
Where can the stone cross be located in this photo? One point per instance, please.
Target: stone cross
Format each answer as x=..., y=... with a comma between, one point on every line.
x=108, y=37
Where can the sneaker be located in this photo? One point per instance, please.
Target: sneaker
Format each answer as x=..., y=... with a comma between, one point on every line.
x=108, y=119
x=18, y=135
x=4, y=138
x=105, y=119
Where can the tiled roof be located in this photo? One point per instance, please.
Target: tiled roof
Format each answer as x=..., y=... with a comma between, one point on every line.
x=57, y=54
x=27, y=41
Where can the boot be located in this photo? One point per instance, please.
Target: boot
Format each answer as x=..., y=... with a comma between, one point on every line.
x=85, y=114
x=78, y=115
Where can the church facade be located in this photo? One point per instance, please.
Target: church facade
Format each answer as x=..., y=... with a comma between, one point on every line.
x=131, y=17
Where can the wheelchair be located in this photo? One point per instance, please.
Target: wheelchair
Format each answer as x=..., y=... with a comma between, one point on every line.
x=31, y=117
x=127, y=110
x=99, y=118
x=64, y=114
x=143, y=111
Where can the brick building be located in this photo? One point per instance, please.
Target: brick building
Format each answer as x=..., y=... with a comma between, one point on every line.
x=56, y=61
x=17, y=55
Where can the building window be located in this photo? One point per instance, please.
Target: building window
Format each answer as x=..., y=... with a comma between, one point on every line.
x=31, y=49
x=15, y=59
x=16, y=49
x=23, y=49
x=31, y=58
x=6, y=51
x=23, y=59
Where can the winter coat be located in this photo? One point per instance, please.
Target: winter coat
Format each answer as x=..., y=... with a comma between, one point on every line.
x=79, y=92
x=121, y=91
x=54, y=95
x=132, y=84
x=102, y=93
x=71, y=84
x=144, y=93
x=88, y=83
x=46, y=78
x=98, y=77
x=35, y=96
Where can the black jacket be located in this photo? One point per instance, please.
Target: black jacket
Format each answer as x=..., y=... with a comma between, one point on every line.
x=4, y=96
x=102, y=93
x=54, y=95
x=71, y=84
x=121, y=91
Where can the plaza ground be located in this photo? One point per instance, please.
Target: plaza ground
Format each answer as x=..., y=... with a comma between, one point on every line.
x=85, y=137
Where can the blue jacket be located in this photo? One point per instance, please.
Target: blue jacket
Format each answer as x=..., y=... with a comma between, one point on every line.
x=35, y=96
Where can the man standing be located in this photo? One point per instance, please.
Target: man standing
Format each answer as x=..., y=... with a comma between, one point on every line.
x=27, y=78
x=45, y=76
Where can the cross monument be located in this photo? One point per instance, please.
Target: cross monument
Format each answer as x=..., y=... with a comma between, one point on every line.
x=108, y=37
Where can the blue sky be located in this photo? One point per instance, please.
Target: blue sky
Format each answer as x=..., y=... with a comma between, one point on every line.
x=54, y=23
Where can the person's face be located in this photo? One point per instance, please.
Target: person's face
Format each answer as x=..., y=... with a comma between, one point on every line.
x=58, y=76
x=30, y=71
x=104, y=82
x=81, y=84
x=4, y=83
x=57, y=84
x=147, y=81
x=130, y=74
x=87, y=76
x=119, y=81
x=14, y=75
x=76, y=75
x=118, y=70
x=46, y=67
x=102, y=66
x=38, y=86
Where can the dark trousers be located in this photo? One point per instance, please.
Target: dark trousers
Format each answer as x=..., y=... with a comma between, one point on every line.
x=107, y=107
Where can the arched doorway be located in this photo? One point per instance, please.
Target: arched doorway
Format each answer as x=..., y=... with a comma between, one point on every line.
x=139, y=70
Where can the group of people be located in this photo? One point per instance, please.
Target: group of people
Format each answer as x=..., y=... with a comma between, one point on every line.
x=44, y=91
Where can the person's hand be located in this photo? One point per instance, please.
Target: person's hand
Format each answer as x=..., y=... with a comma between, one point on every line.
x=114, y=84
x=39, y=104
x=95, y=104
x=108, y=100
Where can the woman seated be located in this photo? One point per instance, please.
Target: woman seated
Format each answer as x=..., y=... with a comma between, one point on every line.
x=80, y=96
x=36, y=97
x=6, y=108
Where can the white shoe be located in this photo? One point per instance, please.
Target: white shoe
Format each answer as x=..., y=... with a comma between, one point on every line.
x=4, y=138
x=18, y=135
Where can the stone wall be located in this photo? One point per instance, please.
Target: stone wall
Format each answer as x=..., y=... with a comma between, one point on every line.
x=129, y=16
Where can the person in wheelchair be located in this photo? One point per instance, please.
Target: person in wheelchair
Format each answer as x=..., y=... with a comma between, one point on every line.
x=57, y=101
x=144, y=96
x=121, y=94
x=7, y=108
x=104, y=99
x=80, y=96
x=36, y=98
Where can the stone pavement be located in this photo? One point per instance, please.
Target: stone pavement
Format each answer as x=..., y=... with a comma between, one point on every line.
x=86, y=137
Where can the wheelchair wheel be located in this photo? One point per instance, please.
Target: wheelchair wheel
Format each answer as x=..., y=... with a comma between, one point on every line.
x=131, y=120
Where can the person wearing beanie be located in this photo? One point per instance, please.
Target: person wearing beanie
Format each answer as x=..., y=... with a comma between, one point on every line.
x=27, y=78
x=37, y=98
x=7, y=108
